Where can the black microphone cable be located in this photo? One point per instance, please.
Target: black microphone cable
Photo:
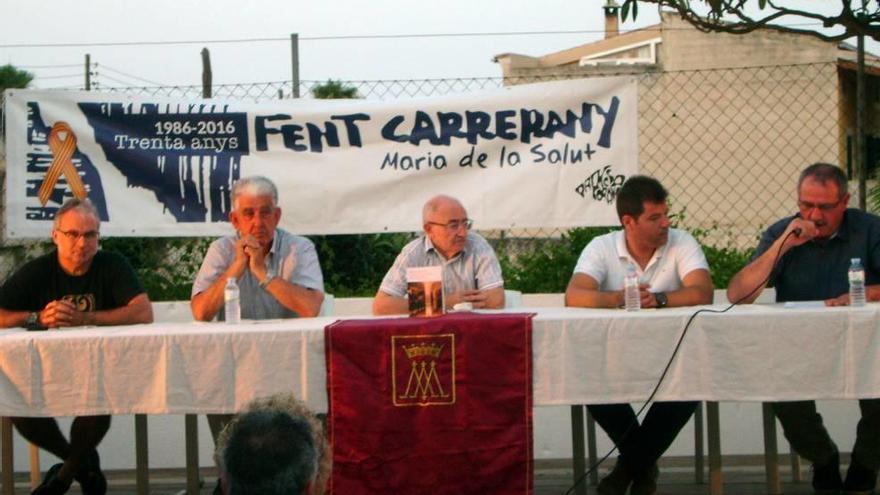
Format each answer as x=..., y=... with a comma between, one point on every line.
x=795, y=232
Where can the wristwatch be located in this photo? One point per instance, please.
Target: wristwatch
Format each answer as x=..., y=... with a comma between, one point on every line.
x=33, y=321
x=661, y=298
x=264, y=283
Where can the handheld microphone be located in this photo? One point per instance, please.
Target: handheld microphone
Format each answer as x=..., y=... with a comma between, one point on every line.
x=798, y=231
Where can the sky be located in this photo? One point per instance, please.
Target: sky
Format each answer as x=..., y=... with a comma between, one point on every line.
x=29, y=22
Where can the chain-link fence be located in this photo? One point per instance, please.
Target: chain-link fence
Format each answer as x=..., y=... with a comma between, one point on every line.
x=728, y=144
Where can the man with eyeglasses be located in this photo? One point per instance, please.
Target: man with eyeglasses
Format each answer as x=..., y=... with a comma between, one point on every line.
x=673, y=272
x=814, y=248
x=76, y=284
x=278, y=273
x=471, y=272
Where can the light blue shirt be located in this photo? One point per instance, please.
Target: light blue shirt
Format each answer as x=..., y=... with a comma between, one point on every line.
x=292, y=258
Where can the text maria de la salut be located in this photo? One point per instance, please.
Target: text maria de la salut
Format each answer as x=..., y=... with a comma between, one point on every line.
x=180, y=132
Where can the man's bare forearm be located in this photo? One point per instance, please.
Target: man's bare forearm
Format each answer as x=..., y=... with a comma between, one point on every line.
x=495, y=298
x=593, y=298
x=138, y=310
x=691, y=296
x=305, y=302
x=206, y=304
x=10, y=319
x=747, y=281
x=386, y=304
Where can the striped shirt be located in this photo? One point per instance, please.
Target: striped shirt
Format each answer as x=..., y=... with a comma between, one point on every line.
x=291, y=258
x=475, y=267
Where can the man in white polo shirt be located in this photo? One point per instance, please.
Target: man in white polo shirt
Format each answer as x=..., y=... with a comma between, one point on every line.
x=673, y=272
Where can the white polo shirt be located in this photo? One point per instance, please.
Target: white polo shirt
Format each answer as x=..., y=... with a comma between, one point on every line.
x=605, y=258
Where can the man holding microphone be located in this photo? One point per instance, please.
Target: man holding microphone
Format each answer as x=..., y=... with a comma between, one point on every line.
x=814, y=249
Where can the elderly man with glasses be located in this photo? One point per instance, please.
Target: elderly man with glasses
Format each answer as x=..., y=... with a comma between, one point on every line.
x=471, y=272
x=812, y=251
x=76, y=284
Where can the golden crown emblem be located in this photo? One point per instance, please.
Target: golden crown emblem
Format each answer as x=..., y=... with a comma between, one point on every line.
x=423, y=350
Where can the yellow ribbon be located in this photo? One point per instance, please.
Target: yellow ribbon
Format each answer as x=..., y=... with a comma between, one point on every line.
x=62, y=150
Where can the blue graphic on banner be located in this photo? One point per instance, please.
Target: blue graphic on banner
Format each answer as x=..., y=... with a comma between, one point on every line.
x=188, y=155
x=39, y=159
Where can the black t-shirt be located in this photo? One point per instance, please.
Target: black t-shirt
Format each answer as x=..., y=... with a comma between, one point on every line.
x=110, y=283
x=814, y=271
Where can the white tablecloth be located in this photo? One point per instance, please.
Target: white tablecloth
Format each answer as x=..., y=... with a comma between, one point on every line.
x=752, y=353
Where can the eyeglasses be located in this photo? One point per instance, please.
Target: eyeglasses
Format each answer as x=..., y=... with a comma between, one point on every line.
x=823, y=207
x=74, y=235
x=454, y=225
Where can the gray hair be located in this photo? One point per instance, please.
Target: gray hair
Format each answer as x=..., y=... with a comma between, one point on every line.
x=255, y=185
x=824, y=172
x=83, y=205
x=276, y=445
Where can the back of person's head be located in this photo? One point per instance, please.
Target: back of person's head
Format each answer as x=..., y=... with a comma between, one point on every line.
x=276, y=445
x=637, y=190
x=270, y=453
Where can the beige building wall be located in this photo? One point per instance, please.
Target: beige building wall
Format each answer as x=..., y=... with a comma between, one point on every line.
x=686, y=48
x=729, y=144
x=726, y=122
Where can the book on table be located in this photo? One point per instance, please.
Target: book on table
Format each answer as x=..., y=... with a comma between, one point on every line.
x=425, y=290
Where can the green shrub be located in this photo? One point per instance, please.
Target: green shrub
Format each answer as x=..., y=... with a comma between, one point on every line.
x=354, y=265
x=166, y=266
x=538, y=265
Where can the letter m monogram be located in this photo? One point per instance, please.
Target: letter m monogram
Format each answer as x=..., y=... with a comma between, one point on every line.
x=423, y=370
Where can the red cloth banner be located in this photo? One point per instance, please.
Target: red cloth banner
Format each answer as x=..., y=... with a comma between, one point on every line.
x=431, y=405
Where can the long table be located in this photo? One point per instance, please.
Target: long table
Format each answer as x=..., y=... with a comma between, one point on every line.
x=581, y=356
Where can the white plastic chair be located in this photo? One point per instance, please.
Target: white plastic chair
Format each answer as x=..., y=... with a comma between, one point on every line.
x=327, y=305
x=512, y=299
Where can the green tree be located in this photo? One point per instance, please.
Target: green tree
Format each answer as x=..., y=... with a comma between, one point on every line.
x=744, y=16
x=10, y=77
x=334, y=90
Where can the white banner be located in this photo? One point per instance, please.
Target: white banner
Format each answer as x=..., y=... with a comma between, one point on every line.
x=549, y=155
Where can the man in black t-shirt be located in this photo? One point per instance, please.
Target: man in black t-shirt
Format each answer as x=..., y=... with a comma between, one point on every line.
x=72, y=286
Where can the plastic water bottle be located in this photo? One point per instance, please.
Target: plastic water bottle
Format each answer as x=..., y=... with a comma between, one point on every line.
x=856, y=283
x=232, y=301
x=632, y=301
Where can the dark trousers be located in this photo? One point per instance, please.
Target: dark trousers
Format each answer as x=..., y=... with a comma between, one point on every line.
x=86, y=433
x=805, y=431
x=640, y=445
